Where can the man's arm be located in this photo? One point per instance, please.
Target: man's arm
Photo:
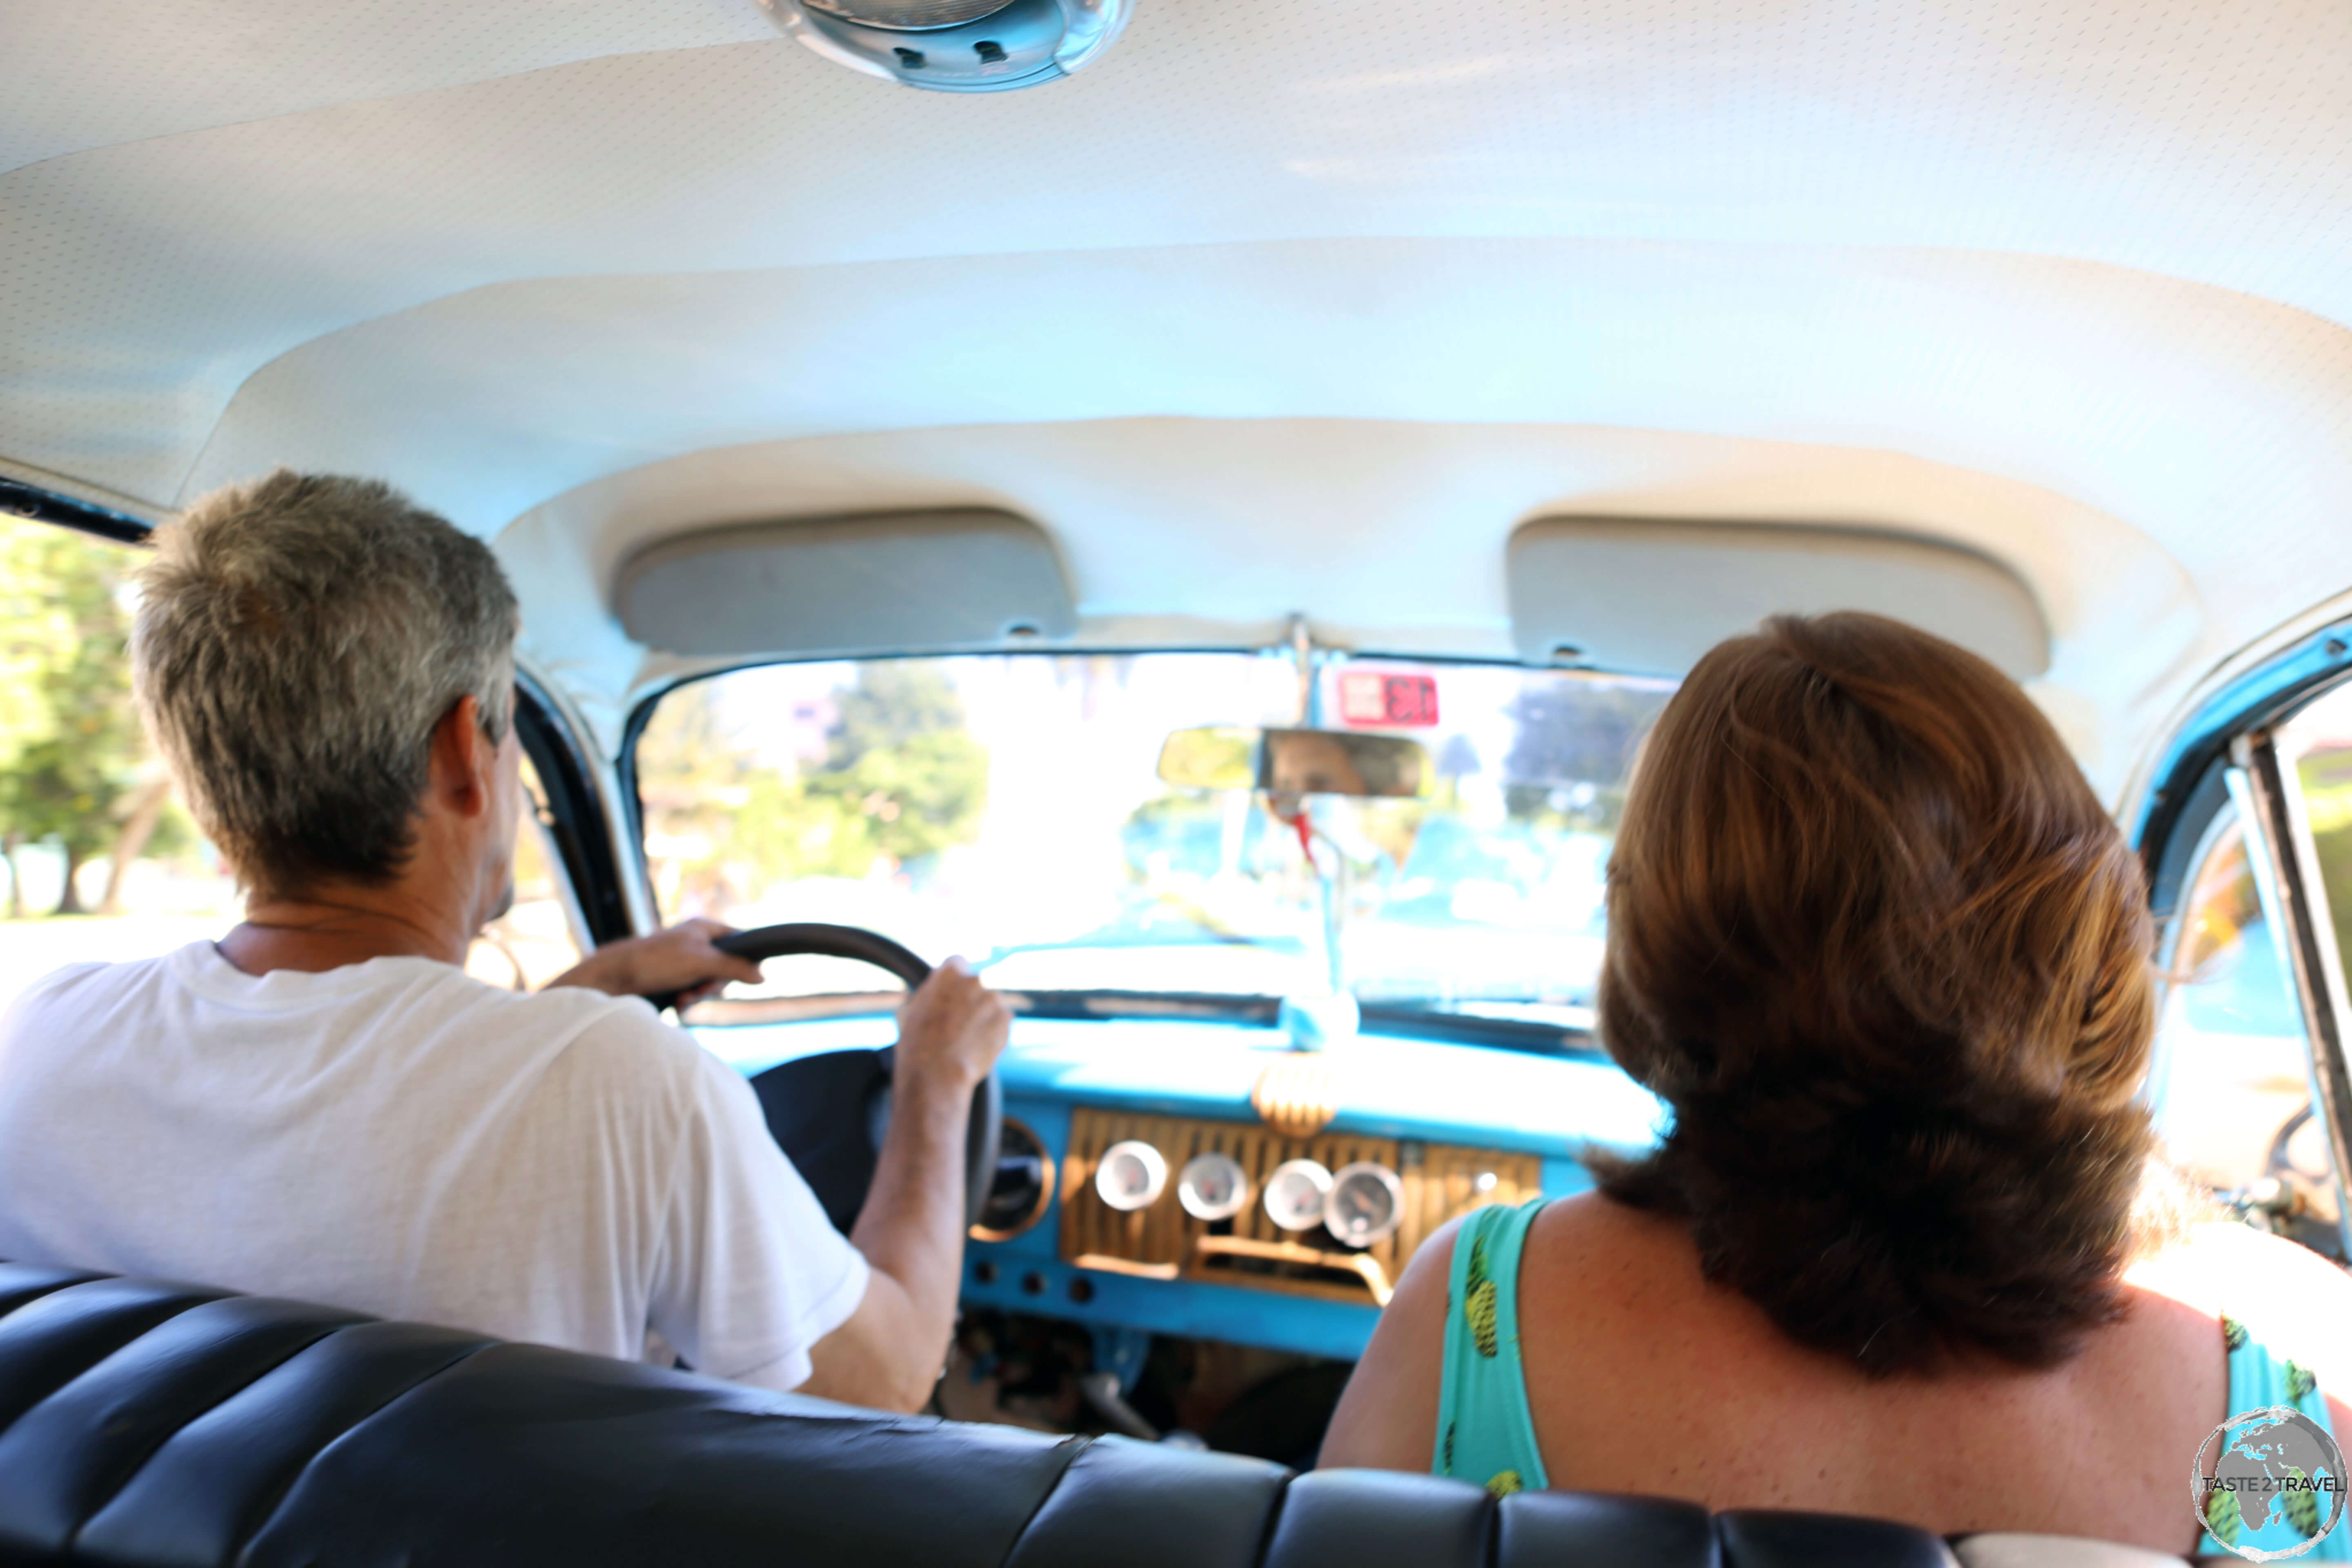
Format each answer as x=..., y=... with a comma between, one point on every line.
x=680, y=958
x=889, y=1353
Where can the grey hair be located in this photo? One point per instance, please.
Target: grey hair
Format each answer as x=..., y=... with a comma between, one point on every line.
x=296, y=640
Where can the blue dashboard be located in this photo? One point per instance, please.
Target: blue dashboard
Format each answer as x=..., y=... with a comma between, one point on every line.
x=1550, y=1108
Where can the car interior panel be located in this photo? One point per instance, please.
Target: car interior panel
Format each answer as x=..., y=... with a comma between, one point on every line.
x=286, y=1434
x=1198, y=510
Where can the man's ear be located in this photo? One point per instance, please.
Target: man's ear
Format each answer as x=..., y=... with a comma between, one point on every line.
x=464, y=769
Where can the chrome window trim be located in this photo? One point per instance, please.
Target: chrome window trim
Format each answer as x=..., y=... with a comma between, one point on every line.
x=605, y=881
x=2259, y=685
x=2279, y=845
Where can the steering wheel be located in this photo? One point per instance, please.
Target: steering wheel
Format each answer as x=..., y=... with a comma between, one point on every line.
x=829, y=1112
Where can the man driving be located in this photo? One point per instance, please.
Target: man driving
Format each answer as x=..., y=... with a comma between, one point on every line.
x=323, y=1105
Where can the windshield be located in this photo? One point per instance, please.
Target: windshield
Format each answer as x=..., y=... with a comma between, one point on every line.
x=1008, y=807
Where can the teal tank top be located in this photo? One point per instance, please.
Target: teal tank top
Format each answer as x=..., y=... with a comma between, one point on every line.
x=1486, y=1434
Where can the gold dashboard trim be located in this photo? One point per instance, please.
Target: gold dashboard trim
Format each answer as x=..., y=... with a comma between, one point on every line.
x=1103, y=1264
x=1207, y=1248
x=1441, y=1181
x=1297, y=1095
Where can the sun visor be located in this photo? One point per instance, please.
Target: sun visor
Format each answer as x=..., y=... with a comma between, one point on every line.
x=1636, y=595
x=887, y=583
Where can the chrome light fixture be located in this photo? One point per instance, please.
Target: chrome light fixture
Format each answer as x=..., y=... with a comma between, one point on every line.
x=955, y=45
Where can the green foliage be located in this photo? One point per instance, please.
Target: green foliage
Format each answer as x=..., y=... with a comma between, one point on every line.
x=1575, y=732
x=176, y=835
x=894, y=701
x=69, y=735
x=901, y=779
x=2327, y=777
x=918, y=793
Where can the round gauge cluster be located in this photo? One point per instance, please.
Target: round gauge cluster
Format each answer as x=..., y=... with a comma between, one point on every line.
x=1367, y=1204
x=1295, y=1194
x=1212, y=1186
x=1131, y=1175
x=1023, y=1188
x=1359, y=1204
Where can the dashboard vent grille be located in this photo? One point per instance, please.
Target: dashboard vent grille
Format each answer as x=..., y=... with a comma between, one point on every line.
x=1162, y=1241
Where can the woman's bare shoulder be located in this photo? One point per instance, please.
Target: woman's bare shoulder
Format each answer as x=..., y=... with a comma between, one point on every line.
x=2298, y=1301
x=1581, y=1255
x=1387, y=1418
x=1591, y=1244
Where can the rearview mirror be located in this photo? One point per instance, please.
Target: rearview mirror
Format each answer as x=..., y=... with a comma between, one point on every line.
x=1296, y=762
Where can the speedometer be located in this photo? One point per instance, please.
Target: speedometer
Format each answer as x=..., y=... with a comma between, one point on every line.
x=1132, y=1176
x=1367, y=1204
x=1295, y=1195
x=1212, y=1186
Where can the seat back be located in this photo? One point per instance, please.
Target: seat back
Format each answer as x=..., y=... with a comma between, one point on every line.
x=152, y=1424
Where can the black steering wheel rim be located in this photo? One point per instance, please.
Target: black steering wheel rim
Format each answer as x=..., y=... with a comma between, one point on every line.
x=804, y=937
x=834, y=1145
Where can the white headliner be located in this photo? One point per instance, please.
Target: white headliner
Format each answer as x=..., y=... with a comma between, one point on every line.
x=1284, y=306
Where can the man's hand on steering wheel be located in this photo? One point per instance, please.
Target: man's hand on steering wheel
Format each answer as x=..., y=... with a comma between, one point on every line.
x=950, y=1032
x=679, y=959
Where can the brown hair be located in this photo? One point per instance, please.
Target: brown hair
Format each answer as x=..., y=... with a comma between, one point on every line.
x=1873, y=939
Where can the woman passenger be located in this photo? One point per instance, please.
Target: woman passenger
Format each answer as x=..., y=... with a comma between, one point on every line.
x=1905, y=1249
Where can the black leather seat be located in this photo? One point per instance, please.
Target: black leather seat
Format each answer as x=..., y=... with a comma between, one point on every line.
x=154, y=1424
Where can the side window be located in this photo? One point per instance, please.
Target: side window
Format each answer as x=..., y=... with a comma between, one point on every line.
x=539, y=937
x=98, y=859
x=2231, y=1086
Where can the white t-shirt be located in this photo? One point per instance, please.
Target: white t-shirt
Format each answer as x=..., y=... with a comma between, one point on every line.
x=398, y=1139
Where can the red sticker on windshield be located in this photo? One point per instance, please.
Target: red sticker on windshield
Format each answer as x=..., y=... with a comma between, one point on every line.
x=1389, y=701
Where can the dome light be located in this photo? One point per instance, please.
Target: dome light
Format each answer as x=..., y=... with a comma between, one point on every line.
x=955, y=45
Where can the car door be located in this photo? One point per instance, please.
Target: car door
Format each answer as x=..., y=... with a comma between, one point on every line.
x=2248, y=1083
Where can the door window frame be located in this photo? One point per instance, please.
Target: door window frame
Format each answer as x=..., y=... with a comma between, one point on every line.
x=2285, y=859
x=2225, y=752
x=578, y=829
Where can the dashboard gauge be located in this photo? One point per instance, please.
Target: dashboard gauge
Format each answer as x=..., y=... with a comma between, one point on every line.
x=1131, y=1175
x=1366, y=1205
x=1296, y=1192
x=1212, y=1186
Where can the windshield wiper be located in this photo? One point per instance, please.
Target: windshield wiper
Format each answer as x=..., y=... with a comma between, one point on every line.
x=1511, y=1027
x=1505, y=1026
x=1222, y=1007
x=1517, y=1026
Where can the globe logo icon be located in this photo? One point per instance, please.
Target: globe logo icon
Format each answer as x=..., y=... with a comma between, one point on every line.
x=2269, y=1483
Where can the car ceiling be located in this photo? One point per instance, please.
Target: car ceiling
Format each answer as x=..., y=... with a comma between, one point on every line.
x=1284, y=306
